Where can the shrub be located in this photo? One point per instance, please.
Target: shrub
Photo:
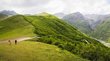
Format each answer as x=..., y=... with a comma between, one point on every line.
x=61, y=46
x=49, y=42
x=57, y=43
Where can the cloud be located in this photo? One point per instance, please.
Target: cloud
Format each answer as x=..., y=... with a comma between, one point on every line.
x=23, y=6
x=88, y=6
x=54, y=6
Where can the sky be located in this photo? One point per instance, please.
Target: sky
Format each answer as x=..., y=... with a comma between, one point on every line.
x=56, y=6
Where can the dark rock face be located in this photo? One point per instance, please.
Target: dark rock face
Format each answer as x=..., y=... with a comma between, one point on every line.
x=7, y=12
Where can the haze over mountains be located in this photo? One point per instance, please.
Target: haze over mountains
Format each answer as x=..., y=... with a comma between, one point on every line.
x=8, y=12
x=92, y=19
x=60, y=15
x=95, y=25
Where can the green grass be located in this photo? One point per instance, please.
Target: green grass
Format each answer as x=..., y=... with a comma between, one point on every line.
x=15, y=26
x=56, y=32
x=35, y=51
x=108, y=40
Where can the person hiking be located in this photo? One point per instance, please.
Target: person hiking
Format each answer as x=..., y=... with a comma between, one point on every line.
x=16, y=42
x=9, y=42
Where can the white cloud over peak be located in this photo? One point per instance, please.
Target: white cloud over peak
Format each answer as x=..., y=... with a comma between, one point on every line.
x=88, y=6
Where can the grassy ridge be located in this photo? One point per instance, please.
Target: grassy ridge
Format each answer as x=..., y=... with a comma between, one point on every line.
x=18, y=26
x=10, y=27
x=56, y=32
x=35, y=51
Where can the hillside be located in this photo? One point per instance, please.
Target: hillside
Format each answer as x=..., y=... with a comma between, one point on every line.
x=15, y=26
x=57, y=32
x=54, y=31
x=35, y=51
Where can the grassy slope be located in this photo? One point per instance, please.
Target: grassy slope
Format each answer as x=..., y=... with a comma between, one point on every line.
x=35, y=51
x=10, y=27
x=54, y=31
x=48, y=25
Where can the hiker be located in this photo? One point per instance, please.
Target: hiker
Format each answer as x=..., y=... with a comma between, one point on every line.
x=16, y=42
x=9, y=42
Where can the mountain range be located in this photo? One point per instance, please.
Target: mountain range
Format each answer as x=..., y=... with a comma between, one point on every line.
x=8, y=12
x=94, y=25
x=79, y=21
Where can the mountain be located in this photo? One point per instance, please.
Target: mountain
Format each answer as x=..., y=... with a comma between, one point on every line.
x=97, y=19
x=79, y=21
x=60, y=15
x=53, y=31
x=94, y=25
x=74, y=16
x=7, y=12
x=100, y=26
x=102, y=30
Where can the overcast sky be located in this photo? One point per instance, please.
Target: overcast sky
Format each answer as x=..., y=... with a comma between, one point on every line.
x=55, y=6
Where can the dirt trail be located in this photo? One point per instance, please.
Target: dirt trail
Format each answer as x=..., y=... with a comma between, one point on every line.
x=26, y=38
x=18, y=39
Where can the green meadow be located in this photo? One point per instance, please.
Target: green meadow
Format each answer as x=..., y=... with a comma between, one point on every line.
x=35, y=51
